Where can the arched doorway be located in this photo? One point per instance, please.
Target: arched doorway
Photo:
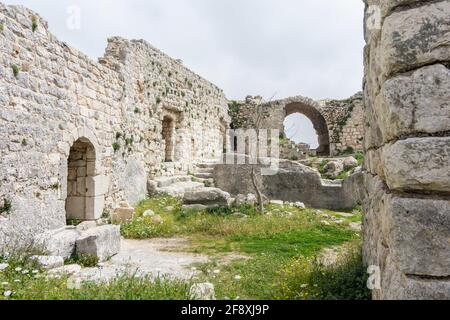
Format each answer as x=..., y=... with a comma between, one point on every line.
x=81, y=202
x=168, y=134
x=318, y=121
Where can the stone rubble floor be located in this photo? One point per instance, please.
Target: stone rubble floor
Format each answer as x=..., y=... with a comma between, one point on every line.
x=153, y=258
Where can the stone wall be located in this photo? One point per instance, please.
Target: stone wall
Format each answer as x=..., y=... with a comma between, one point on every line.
x=339, y=123
x=107, y=116
x=407, y=140
x=293, y=182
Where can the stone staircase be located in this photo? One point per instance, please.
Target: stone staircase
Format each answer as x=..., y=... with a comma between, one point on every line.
x=176, y=186
x=197, y=190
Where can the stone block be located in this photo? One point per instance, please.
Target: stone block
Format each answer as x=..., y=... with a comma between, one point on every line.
x=123, y=214
x=94, y=207
x=60, y=242
x=48, y=262
x=97, y=186
x=414, y=38
x=418, y=164
x=102, y=242
x=420, y=235
x=415, y=103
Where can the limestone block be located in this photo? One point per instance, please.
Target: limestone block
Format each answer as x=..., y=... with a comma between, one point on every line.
x=418, y=164
x=123, y=214
x=73, y=205
x=60, y=242
x=97, y=186
x=415, y=103
x=207, y=196
x=102, y=242
x=413, y=38
x=94, y=207
x=350, y=163
x=398, y=286
x=48, y=262
x=420, y=235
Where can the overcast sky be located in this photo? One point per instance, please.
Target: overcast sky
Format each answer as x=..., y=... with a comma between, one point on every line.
x=273, y=48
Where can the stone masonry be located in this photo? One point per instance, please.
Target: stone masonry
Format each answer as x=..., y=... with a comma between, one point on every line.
x=338, y=123
x=407, y=141
x=78, y=137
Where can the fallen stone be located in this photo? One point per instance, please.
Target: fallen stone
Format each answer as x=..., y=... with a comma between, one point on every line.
x=48, y=262
x=350, y=163
x=102, y=242
x=3, y=266
x=68, y=270
x=60, y=242
x=202, y=291
x=148, y=213
x=300, y=205
x=123, y=214
x=277, y=202
x=334, y=168
x=157, y=219
x=207, y=197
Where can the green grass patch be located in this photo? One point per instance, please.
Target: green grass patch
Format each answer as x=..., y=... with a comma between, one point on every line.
x=309, y=279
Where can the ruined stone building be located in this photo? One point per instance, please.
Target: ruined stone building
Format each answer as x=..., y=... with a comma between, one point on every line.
x=77, y=137
x=338, y=123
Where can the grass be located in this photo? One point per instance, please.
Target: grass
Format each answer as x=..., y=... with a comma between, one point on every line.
x=259, y=257
x=266, y=244
x=35, y=285
x=309, y=279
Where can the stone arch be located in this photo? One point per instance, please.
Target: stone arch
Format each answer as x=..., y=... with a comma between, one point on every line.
x=85, y=199
x=320, y=124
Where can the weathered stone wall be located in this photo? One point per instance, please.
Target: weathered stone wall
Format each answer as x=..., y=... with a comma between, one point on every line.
x=52, y=96
x=407, y=140
x=338, y=123
x=293, y=182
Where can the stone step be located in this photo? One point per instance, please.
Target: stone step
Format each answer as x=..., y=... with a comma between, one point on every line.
x=206, y=165
x=206, y=182
x=205, y=170
x=178, y=189
x=163, y=182
x=204, y=175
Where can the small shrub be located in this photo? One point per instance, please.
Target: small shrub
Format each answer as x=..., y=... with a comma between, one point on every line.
x=24, y=142
x=7, y=206
x=348, y=151
x=116, y=146
x=34, y=24
x=15, y=68
x=360, y=158
x=137, y=110
x=158, y=100
x=118, y=135
x=2, y=27
x=129, y=141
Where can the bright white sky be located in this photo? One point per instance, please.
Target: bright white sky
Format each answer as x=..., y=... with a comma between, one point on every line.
x=273, y=48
